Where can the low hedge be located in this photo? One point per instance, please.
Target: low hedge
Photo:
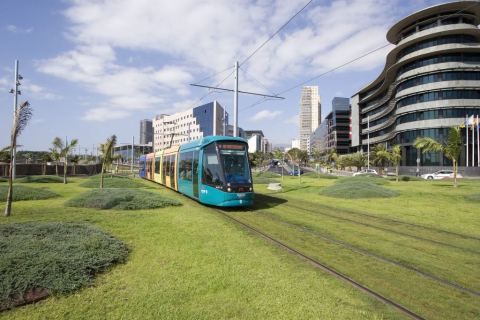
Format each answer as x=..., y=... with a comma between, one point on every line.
x=357, y=190
x=40, y=258
x=26, y=193
x=322, y=175
x=121, y=199
x=40, y=179
x=405, y=178
x=113, y=182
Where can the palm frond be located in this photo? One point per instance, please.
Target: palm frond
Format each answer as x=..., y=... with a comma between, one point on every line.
x=57, y=143
x=453, y=145
x=23, y=114
x=428, y=145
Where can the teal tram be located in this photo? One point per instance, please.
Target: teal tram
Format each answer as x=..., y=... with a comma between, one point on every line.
x=214, y=170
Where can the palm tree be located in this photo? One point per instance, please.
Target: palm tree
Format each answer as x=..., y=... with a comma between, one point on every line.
x=22, y=116
x=106, y=149
x=396, y=157
x=64, y=151
x=75, y=159
x=451, y=148
x=331, y=155
x=379, y=155
x=115, y=157
x=303, y=156
x=294, y=155
x=57, y=145
x=46, y=157
x=358, y=160
x=279, y=155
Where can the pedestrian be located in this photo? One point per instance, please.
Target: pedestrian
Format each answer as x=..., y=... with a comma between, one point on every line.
x=386, y=171
x=417, y=173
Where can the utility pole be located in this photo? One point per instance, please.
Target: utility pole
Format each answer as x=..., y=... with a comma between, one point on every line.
x=368, y=142
x=235, y=103
x=133, y=146
x=15, y=97
x=224, y=120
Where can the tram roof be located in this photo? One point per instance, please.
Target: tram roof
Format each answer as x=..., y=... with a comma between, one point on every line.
x=201, y=143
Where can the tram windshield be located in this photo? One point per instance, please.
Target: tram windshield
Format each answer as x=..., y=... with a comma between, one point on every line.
x=234, y=159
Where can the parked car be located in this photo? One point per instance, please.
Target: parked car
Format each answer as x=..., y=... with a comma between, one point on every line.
x=295, y=172
x=440, y=175
x=366, y=171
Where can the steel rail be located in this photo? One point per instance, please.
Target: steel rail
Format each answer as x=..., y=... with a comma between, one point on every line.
x=327, y=269
x=424, y=274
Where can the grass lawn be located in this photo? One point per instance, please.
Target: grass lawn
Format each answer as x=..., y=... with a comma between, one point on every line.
x=403, y=229
x=190, y=263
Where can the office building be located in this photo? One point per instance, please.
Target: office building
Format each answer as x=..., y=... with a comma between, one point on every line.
x=255, y=140
x=310, y=114
x=192, y=124
x=430, y=83
x=146, y=131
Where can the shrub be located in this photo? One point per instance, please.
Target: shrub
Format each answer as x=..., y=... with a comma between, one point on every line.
x=115, y=182
x=40, y=179
x=3, y=180
x=27, y=193
x=52, y=257
x=322, y=175
x=356, y=190
x=121, y=199
x=364, y=178
x=405, y=178
x=473, y=197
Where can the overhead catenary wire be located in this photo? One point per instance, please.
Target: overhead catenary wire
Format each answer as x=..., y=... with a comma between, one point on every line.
x=358, y=58
x=258, y=82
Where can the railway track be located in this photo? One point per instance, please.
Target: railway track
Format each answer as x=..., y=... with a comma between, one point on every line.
x=383, y=229
x=325, y=268
x=382, y=218
x=424, y=274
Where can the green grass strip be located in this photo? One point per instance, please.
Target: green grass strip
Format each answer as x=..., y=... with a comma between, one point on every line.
x=473, y=197
x=322, y=175
x=405, y=178
x=356, y=190
x=264, y=180
x=26, y=193
x=265, y=175
x=121, y=199
x=364, y=178
x=40, y=179
x=113, y=182
x=59, y=257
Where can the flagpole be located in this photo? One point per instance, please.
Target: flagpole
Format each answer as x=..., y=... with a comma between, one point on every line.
x=466, y=134
x=473, y=143
x=478, y=143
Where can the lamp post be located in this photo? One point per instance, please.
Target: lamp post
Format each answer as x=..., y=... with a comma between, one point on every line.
x=15, y=92
x=368, y=142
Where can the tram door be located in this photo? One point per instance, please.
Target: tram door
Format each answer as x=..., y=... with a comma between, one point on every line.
x=195, y=174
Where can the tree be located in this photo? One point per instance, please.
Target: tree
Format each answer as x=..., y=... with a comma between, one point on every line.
x=331, y=155
x=62, y=150
x=379, y=155
x=115, y=157
x=303, y=156
x=106, y=149
x=358, y=160
x=45, y=157
x=396, y=157
x=279, y=155
x=5, y=157
x=22, y=116
x=294, y=155
x=57, y=145
x=451, y=148
x=75, y=159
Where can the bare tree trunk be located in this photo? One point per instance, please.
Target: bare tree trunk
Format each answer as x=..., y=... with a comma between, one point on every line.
x=64, y=173
x=101, y=175
x=8, y=209
x=396, y=171
x=454, y=173
x=56, y=168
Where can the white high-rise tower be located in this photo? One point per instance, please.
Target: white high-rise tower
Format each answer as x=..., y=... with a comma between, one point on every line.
x=310, y=114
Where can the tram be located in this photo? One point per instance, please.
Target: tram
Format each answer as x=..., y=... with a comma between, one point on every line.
x=213, y=170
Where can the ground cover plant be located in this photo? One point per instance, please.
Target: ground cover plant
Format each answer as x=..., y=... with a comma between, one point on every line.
x=190, y=262
x=357, y=189
x=26, y=193
x=113, y=182
x=405, y=178
x=265, y=175
x=52, y=257
x=121, y=199
x=40, y=179
x=370, y=178
x=264, y=180
x=473, y=197
x=3, y=180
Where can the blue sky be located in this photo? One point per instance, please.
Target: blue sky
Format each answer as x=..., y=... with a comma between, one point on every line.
x=95, y=68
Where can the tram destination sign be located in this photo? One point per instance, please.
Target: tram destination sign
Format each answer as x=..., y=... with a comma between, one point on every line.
x=231, y=146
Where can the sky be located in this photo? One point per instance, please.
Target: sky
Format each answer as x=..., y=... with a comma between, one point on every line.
x=93, y=68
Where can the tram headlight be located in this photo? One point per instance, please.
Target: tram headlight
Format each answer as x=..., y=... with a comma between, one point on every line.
x=251, y=189
x=229, y=189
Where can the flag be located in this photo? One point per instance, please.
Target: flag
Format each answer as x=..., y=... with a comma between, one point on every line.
x=470, y=121
x=463, y=124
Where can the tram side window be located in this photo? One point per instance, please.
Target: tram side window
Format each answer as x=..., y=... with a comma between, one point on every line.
x=185, y=169
x=211, y=173
x=172, y=166
x=167, y=168
x=157, y=165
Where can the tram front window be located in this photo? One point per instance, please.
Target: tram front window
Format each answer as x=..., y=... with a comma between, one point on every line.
x=235, y=164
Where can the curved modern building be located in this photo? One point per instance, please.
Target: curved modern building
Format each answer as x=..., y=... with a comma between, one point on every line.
x=430, y=82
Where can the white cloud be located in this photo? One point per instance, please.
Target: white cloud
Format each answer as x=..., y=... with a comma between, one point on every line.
x=265, y=115
x=104, y=114
x=35, y=121
x=3, y=81
x=295, y=120
x=15, y=29
x=37, y=92
x=196, y=39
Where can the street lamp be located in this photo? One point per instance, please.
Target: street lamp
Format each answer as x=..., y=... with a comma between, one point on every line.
x=16, y=92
